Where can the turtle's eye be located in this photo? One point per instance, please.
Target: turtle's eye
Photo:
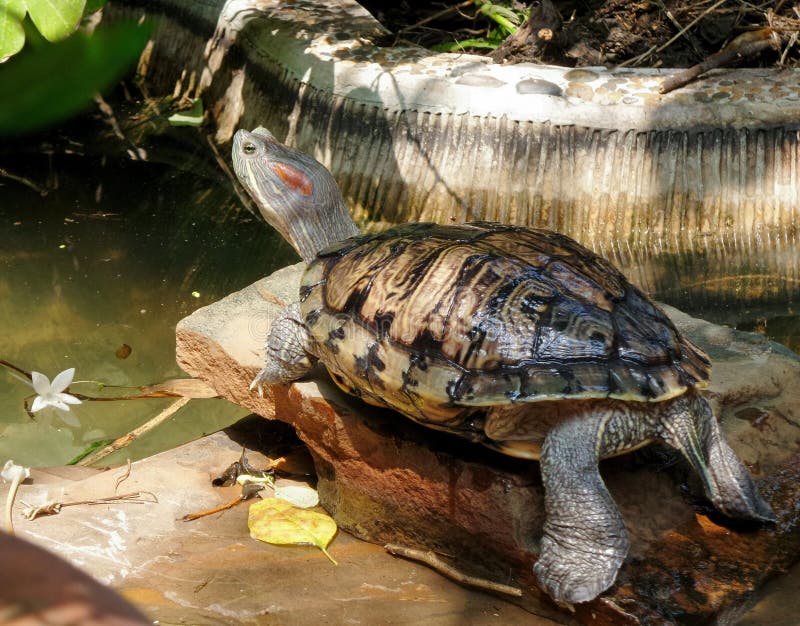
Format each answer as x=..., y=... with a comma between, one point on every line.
x=249, y=148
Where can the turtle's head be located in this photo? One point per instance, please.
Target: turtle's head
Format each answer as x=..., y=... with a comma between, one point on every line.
x=293, y=191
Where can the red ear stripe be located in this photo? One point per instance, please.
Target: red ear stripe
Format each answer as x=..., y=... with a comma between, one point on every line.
x=294, y=178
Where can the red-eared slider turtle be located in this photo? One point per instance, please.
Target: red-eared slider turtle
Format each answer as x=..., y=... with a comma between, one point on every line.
x=518, y=338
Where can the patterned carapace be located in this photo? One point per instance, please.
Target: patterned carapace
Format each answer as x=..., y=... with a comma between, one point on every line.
x=430, y=319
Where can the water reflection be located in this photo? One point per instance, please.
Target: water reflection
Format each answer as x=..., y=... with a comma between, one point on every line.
x=114, y=257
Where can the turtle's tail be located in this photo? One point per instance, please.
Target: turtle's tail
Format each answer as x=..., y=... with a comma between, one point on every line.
x=690, y=426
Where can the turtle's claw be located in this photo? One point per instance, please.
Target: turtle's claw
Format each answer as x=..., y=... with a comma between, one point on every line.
x=258, y=383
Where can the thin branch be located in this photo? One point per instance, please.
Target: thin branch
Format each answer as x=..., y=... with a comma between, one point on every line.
x=135, y=433
x=249, y=490
x=436, y=16
x=25, y=181
x=662, y=47
x=15, y=368
x=792, y=41
x=744, y=45
x=53, y=508
x=190, y=517
x=123, y=476
x=677, y=24
x=432, y=560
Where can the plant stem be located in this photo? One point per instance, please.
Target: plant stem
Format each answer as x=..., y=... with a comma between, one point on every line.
x=12, y=494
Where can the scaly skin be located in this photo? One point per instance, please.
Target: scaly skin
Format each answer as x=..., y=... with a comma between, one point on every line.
x=585, y=541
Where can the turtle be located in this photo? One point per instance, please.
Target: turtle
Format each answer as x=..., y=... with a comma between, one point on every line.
x=518, y=338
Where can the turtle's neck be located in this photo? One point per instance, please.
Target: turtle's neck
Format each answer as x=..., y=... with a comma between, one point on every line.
x=317, y=230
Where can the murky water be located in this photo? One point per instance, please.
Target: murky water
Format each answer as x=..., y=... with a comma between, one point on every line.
x=114, y=257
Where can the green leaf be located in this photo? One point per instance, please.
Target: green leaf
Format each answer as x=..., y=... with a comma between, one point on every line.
x=12, y=34
x=458, y=46
x=189, y=117
x=276, y=521
x=503, y=16
x=92, y=447
x=56, y=19
x=51, y=83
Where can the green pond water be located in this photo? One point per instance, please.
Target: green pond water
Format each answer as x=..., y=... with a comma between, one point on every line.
x=115, y=256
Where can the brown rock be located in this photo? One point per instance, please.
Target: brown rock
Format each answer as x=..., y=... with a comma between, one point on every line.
x=386, y=479
x=208, y=571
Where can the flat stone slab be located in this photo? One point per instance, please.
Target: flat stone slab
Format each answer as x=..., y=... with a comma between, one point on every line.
x=386, y=479
x=209, y=571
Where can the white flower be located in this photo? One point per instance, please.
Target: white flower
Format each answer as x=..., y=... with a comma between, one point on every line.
x=13, y=472
x=52, y=394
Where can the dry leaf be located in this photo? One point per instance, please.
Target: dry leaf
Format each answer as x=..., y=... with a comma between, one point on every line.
x=276, y=521
x=187, y=387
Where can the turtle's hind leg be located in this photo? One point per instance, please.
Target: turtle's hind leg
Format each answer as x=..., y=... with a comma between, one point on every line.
x=289, y=350
x=585, y=540
x=689, y=426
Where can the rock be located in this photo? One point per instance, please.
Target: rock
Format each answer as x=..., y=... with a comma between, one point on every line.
x=387, y=479
x=209, y=571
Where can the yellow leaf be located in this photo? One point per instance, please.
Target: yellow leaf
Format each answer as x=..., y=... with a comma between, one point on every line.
x=276, y=521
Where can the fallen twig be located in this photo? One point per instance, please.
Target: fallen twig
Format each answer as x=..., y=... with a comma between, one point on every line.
x=132, y=436
x=436, y=16
x=790, y=44
x=692, y=41
x=744, y=45
x=123, y=476
x=432, y=560
x=53, y=508
x=19, y=370
x=248, y=491
x=636, y=60
x=42, y=191
x=786, y=25
x=217, y=509
x=84, y=398
x=171, y=388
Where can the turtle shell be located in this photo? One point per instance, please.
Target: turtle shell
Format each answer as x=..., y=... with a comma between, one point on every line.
x=431, y=320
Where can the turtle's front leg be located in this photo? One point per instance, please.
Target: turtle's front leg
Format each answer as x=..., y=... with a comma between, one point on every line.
x=289, y=350
x=585, y=540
